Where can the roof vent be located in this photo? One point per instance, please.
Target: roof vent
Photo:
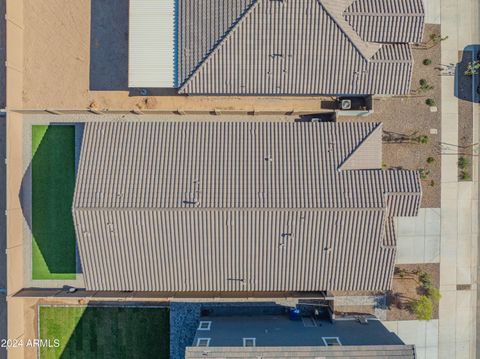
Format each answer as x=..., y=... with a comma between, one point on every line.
x=346, y=104
x=276, y=55
x=363, y=320
x=191, y=198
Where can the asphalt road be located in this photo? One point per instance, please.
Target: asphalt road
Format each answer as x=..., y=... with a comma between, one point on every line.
x=3, y=51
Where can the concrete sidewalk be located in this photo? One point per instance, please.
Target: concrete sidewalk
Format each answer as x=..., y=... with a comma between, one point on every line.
x=459, y=213
x=423, y=334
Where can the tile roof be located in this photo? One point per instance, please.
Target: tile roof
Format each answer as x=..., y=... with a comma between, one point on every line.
x=203, y=23
x=237, y=206
x=387, y=20
x=301, y=47
x=366, y=351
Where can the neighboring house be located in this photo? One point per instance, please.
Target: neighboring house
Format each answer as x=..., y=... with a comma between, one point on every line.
x=277, y=336
x=276, y=47
x=270, y=207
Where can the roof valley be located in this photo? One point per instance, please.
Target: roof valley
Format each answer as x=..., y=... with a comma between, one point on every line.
x=335, y=10
x=219, y=43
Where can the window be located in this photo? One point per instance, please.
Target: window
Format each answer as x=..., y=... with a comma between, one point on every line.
x=331, y=341
x=248, y=342
x=204, y=325
x=203, y=342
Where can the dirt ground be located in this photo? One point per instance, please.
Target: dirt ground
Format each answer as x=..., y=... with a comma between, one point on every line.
x=354, y=309
x=409, y=289
x=410, y=115
x=75, y=56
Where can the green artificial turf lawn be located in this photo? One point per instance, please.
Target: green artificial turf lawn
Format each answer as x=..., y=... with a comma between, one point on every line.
x=53, y=184
x=105, y=332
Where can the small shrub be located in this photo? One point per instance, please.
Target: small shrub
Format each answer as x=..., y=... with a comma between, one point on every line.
x=432, y=183
x=436, y=38
x=430, y=102
x=426, y=280
x=434, y=294
x=423, y=139
x=465, y=176
x=463, y=163
x=425, y=86
x=427, y=62
x=423, y=308
x=430, y=160
x=423, y=173
x=401, y=272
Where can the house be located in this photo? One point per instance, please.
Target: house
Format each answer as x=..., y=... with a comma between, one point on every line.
x=280, y=47
x=238, y=207
x=278, y=336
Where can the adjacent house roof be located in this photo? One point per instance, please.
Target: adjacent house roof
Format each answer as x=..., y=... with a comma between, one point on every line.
x=151, y=44
x=376, y=351
x=238, y=207
x=279, y=330
x=277, y=336
x=300, y=47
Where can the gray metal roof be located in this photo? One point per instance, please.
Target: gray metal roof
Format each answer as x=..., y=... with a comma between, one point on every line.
x=237, y=207
x=365, y=352
x=300, y=47
x=151, y=39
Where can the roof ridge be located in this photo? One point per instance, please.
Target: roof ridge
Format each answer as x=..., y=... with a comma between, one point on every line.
x=335, y=9
x=360, y=146
x=370, y=13
x=227, y=35
x=233, y=209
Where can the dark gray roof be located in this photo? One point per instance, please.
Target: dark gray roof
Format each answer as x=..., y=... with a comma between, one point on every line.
x=280, y=331
x=356, y=352
x=238, y=207
x=276, y=336
x=300, y=47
